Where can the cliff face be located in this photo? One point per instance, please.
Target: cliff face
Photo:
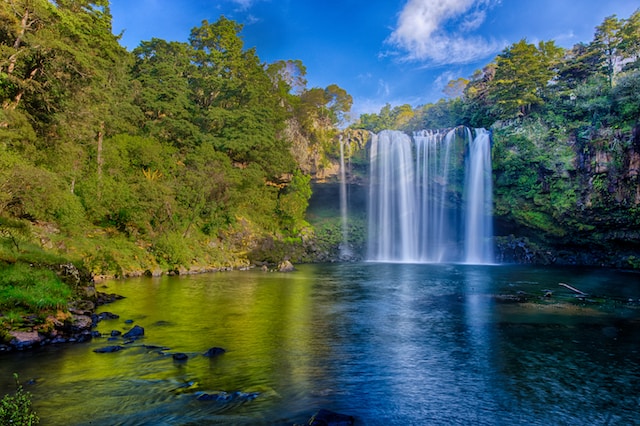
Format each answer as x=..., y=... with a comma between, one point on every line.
x=571, y=197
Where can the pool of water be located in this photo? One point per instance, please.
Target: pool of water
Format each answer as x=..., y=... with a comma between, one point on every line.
x=390, y=344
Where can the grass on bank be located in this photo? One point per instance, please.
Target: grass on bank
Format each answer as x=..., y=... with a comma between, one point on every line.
x=26, y=290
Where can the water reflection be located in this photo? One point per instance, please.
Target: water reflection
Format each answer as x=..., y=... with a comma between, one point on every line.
x=388, y=343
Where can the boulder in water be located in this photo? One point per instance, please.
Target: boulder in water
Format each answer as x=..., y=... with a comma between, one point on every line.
x=134, y=333
x=179, y=356
x=285, y=266
x=214, y=352
x=24, y=339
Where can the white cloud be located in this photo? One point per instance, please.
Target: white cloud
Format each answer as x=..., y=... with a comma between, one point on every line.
x=438, y=31
x=243, y=4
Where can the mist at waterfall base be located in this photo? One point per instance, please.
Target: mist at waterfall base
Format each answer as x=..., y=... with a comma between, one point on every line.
x=430, y=197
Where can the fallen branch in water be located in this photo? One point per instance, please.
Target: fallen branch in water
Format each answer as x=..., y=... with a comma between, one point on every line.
x=582, y=293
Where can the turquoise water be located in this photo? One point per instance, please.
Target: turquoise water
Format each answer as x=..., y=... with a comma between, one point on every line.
x=390, y=344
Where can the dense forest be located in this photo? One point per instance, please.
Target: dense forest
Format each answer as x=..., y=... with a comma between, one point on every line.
x=193, y=156
x=172, y=156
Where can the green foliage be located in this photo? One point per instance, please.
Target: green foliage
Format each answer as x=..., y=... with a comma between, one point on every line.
x=16, y=409
x=14, y=230
x=388, y=118
x=293, y=202
x=626, y=96
x=31, y=288
x=172, y=249
x=522, y=73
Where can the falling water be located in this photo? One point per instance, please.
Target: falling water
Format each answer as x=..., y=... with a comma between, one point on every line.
x=392, y=209
x=479, y=201
x=430, y=197
x=345, y=250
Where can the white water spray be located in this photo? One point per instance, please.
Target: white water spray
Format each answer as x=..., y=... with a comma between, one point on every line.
x=416, y=213
x=479, y=201
x=345, y=250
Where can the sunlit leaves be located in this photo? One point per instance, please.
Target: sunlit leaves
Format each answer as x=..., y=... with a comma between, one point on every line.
x=522, y=72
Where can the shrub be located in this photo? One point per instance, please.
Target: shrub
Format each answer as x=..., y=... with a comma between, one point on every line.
x=16, y=409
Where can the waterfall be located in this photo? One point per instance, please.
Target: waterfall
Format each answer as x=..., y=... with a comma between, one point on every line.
x=392, y=209
x=430, y=197
x=479, y=201
x=345, y=250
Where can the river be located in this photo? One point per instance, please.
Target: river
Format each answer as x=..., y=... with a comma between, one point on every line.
x=390, y=344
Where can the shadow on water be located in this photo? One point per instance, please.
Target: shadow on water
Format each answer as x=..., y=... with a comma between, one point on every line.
x=387, y=343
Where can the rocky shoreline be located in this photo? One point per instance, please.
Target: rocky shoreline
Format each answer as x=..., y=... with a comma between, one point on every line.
x=74, y=326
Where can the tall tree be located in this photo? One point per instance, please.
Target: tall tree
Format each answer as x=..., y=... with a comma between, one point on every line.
x=630, y=39
x=163, y=70
x=606, y=42
x=238, y=105
x=523, y=71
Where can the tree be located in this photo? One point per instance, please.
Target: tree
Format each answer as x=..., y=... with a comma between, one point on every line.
x=630, y=39
x=478, y=110
x=455, y=88
x=606, y=42
x=523, y=71
x=580, y=63
x=288, y=76
x=163, y=71
x=338, y=102
x=236, y=102
x=22, y=53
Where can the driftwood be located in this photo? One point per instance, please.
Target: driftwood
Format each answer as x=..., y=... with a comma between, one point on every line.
x=581, y=293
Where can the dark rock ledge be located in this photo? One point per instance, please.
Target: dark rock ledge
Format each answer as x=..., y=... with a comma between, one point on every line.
x=73, y=327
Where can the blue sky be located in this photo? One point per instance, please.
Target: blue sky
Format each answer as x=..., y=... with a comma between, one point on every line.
x=379, y=51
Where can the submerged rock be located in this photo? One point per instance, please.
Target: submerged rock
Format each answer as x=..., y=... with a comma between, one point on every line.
x=227, y=396
x=213, y=352
x=330, y=418
x=179, y=356
x=108, y=349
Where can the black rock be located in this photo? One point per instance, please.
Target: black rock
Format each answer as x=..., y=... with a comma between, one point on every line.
x=213, y=352
x=179, y=356
x=83, y=337
x=108, y=349
x=107, y=315
x=115, y=333
x=329, y=418
x=135, y=332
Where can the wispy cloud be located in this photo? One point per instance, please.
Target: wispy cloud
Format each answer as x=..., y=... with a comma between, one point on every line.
x=438, y=32
x=243, y=4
